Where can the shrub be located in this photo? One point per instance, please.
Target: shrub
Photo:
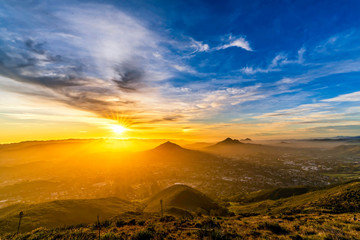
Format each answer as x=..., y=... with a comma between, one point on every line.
x=120, y=223
x=143, y=235
x=209, y=223
x=106, y=223
x=214, y=235
x=167, y=219
x=296, y=237
x=110, y=236
x=273, y=227
x=132, y=222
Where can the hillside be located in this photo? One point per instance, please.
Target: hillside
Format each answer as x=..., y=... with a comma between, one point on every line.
x=231, y=146
x=330, y=213
x=61, y=212
x=352, y=150
x=271, y=194
x=182, y=197
x=343, y=198
x=169, y=151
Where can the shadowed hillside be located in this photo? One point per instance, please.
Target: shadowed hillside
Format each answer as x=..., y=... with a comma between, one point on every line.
x=182, y=197
x=61, y=212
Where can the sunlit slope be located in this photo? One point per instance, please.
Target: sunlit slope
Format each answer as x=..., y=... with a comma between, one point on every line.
x=61, y=212
x=183, y=197
x=339, y=199
x=271, y=194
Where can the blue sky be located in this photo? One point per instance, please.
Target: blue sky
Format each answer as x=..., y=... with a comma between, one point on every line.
x=257, y=68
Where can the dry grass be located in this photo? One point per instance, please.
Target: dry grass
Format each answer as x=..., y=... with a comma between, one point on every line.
x=300, y=226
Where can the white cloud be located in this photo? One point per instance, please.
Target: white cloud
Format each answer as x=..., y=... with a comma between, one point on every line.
x=278, y=61
x=239, y=42
x=350, y=97
x=251, y=70
x=326, y=69
x=286, y=81
x=184, y=68
x=109, y=39
x=300, y=110
x=199, y=46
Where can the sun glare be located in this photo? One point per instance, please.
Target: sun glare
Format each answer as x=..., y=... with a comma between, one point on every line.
x=118, y=129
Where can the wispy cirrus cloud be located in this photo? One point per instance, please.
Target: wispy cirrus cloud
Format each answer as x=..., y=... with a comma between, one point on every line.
x=277, y=62
x=239, y=42
x=227, y=42
x=309, y=118
x=350, y=97
x=322, y=70
x=199, y=46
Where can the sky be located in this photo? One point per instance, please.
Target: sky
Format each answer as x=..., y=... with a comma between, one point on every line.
x=189, y=69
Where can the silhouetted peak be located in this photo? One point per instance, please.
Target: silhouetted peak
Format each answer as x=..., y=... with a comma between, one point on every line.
x=230, y=141
x=168, y=146
x=246, y=139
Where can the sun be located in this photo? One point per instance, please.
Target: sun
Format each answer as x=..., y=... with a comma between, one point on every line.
x=118, y=129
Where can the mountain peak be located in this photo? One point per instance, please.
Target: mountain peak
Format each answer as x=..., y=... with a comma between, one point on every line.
x=168, y=146
x=182, y=197
x=246, y=139
x=230, y=141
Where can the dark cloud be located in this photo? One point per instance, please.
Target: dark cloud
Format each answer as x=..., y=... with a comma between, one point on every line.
x=129, y=76
x=158, y=120
x=65, y=79
x=33, y=64
x=172, y=118
x=35, y=47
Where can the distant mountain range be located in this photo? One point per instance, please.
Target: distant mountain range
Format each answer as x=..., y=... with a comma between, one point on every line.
x=338, y=138
x=231, y=146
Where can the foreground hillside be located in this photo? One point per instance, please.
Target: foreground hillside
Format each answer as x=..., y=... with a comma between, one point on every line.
x=331, y=213
x=343, y=198
x=61, y=212
x=137, y=226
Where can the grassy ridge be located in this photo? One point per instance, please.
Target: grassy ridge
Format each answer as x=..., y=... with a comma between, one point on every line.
x=343, y=198
x=60, y=213
x=145, y=226
x=271, y=194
